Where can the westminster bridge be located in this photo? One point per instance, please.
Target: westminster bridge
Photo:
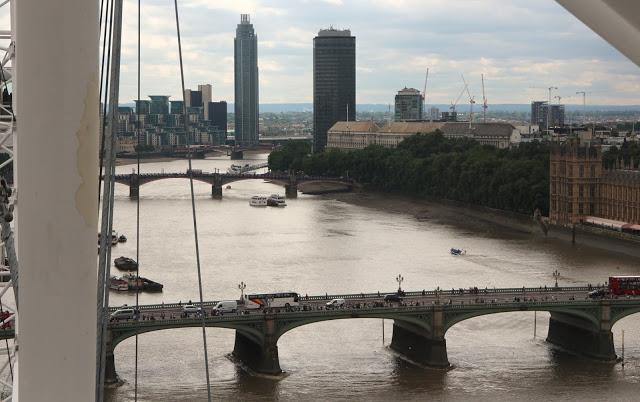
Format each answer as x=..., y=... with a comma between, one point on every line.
x=218, y=180
x=578, y=323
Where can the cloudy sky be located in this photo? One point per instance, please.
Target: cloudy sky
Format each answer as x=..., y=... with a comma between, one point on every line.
x=521, y=46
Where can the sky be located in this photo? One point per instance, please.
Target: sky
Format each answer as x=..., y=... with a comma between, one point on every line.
x=521, y=46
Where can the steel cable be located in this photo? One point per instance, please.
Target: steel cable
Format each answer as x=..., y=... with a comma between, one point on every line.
x=135, y=387
x=193, y=204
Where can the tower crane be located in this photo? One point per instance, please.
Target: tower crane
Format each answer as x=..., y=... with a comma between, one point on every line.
x=484, y=102
x=453, y=104
x=471, y=101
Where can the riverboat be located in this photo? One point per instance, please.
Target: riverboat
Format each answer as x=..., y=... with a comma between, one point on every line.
x=258, y=201
x=130, y=282
x=125, y=263
x=457, y=251
x=122, y=239
x=276, y=200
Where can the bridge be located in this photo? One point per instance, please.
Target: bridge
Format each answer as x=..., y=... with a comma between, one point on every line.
x=578, y=324
x=218, y=180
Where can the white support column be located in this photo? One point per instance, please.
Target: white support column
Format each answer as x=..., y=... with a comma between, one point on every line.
x=57, y=179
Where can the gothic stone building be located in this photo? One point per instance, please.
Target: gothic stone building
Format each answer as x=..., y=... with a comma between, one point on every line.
x=581, y=188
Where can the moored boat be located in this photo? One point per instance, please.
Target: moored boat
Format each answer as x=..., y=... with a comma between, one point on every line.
x=129, y=282
x=125, y=263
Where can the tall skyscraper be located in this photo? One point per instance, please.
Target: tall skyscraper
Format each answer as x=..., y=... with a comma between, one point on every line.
x=205, y=90
x=246, y=83
x=408, y=105
x=334, y=82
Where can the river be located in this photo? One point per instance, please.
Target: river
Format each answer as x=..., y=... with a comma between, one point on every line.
x=320, y=244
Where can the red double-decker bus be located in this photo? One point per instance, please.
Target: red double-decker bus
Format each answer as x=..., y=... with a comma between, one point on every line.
x=624, y=285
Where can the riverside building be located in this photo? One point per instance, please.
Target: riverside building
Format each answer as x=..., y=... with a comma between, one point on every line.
x=246, y=83
x=350, y=135
x=334, y=82
x=583, y=192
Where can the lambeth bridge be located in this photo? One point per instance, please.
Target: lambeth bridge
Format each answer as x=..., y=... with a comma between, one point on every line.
x=218, y=180
x=578, y=324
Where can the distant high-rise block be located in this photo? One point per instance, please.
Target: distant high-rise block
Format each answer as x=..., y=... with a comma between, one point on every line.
x=205, y=90
x=334, y=82
x=408, y=105
x=217, y=112
x=246, y=83
x=537, y=115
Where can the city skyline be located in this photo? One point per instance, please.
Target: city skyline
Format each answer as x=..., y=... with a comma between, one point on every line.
x=466, y=37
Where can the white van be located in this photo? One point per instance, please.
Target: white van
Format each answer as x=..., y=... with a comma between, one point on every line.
x=335, y=303
x=123, y=314
x=225, y=306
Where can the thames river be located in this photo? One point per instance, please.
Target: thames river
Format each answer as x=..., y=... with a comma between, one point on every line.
x=321, y=244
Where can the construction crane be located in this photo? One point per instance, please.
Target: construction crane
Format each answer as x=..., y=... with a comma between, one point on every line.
x=453, y=104
x=471, y=100
x=484, y=102
x=424, y=93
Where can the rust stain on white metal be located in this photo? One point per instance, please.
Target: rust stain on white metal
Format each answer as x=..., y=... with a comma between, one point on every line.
x=87, y=156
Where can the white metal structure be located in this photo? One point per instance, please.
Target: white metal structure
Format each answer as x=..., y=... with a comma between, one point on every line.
x=56, y=173
x=617, y=21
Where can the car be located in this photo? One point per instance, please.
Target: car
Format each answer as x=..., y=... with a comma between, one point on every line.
x=125, y=313
x=189, y=309
x=392, y=297
x=598, y=293
x=335, y=303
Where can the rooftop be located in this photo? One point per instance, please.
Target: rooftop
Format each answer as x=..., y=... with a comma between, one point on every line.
x=334, y=32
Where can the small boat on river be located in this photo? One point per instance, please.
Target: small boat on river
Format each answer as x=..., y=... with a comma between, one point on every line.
x=276, y=200
x=258, y=201
x=122, y=239
x=457, y=251
x=129, y=282
x=125, y=263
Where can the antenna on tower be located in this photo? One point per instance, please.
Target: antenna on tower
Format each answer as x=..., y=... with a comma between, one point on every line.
x=484, y=102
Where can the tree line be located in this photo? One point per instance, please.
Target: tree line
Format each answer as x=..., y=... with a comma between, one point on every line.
x=430, y=165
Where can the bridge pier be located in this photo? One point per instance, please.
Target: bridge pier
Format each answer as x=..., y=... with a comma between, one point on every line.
x=110, y=375
x=237, y=155
x=291, y=190
x=580, y=336
x=134, y=186
x=419, y=346
x=260, y=358
x=216, y=191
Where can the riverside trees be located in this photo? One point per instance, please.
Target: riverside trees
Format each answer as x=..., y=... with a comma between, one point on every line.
x=514, y=179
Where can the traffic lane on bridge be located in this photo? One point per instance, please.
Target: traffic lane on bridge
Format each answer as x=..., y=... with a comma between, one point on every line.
x=368, y=302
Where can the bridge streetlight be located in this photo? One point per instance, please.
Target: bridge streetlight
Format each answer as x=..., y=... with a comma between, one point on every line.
x=242, y=286
x=556, y=275
x=399, y=279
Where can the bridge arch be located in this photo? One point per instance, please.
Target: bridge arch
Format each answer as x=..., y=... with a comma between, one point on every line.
x=453, y=319
x=118, y=335
x=421, y=321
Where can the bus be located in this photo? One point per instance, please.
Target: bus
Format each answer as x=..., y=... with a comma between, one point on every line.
x=281, y=299
x=624, y=285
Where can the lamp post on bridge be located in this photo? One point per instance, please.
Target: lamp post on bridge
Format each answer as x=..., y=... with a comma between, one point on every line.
x=399, y=279
x=242, y=286
x=556, y=275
